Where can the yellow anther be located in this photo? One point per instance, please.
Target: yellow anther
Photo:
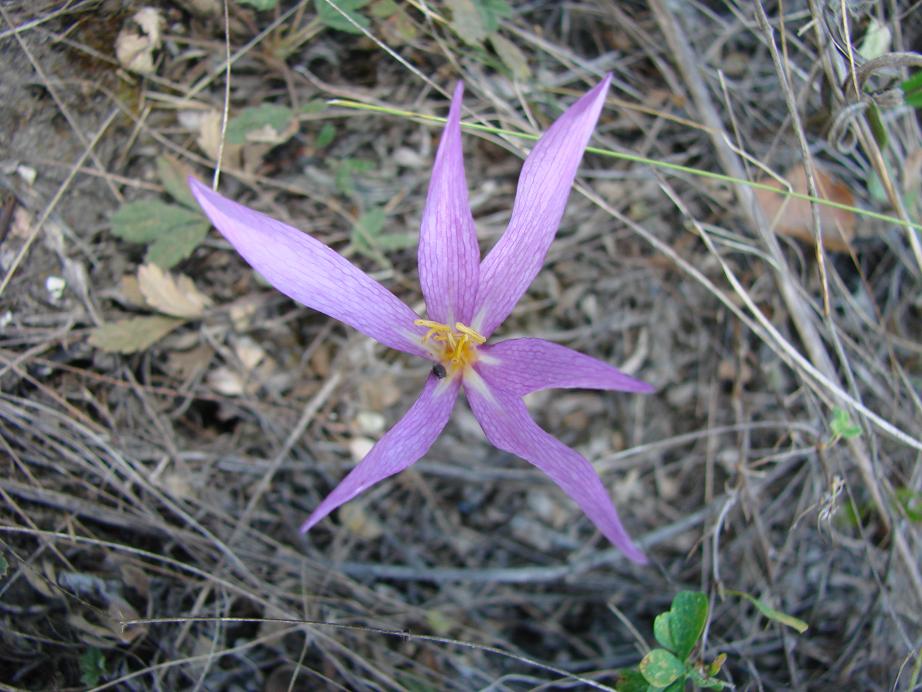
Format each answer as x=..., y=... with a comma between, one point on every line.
x=470, y=332
x=455, y=348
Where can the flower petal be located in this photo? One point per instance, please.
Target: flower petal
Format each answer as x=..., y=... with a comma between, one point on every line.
x=521, y=366
x=507, y=425
x=309, y=272
x=449, y=258
x=400, y=447
x=540, y=199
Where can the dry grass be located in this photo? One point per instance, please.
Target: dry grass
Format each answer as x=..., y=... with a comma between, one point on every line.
x=150, y=513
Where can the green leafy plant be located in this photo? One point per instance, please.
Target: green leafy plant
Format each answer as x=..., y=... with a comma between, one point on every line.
x=331, y=17
x=912, y=90
x=92, y=666
x=671, y=666
x=842, y=425
x=368, y=235
x=170, y=231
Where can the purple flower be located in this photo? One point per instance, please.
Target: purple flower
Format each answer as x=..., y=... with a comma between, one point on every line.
x=466, y=300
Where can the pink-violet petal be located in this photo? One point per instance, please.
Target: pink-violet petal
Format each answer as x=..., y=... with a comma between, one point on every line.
x=521, y=366
x=508, y=426
x=309, y=272
x=400, y=447
x=540, y=198
x=449, y=258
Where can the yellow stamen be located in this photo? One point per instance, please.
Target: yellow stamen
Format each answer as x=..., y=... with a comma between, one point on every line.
x=455, y=348
x=470, y=332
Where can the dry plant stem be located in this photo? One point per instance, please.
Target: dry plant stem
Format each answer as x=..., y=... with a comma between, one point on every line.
x=823, y=385
x=310, y=410
x=809, y=165
x=865, y=463
x=225, y=112
x=855, y=444
x=838, y=73
x=307, y=415
x=387, y=49
x=800, y=313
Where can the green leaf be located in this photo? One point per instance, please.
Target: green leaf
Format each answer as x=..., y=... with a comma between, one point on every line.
x=842, y=426
x=173, y=176
x=250, y=120
x=326, y=135
x=715, y=665
x=677, y=686
x=132, y=335
x=876, y=188
x=328, y=15
x=367, y=228
x=710, y=683
x=382, y=9
x=92, y=666
x=491, y=12
x=631, y=680
x=878, y=129
x=169, y=250
x=4, y=566
x=144, y=221
x=396, y=241
x=687, y=618
x=772, y=614
x=368, y=238
x=313, y=106
x=662, y=631
x=260, y=5
x=911, y=502
x=912, y=90
x=660, y=668
x=468, y=21
x=876, y=40
x=344, y=180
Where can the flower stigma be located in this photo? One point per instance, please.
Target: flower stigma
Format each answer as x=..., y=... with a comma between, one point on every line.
x=455, y=348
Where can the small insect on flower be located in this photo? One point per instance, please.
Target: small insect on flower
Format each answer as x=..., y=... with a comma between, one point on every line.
x=466, y=300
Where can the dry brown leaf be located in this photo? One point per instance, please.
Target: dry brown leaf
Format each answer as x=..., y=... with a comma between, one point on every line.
x=130, y=292
x=172, y=296
x=794, y=218
x=361, y=523
x=22, y=223
x=184, y=365
x=132, y=335
x=139, y=40
x=249, y=352
x=225, y=381
x=209, y=140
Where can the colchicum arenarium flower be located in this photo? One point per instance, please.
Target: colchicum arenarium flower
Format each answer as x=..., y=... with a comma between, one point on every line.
x=466, y=300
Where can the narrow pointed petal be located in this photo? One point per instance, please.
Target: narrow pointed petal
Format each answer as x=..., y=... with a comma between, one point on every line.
x=400, y=447
x=449, y=259
x=309, y=272
x=522, y=366
x=508, y=426
x=540, y=199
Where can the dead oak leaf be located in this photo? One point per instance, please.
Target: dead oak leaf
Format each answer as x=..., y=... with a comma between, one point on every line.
x=176, y=296
x=794, y=218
